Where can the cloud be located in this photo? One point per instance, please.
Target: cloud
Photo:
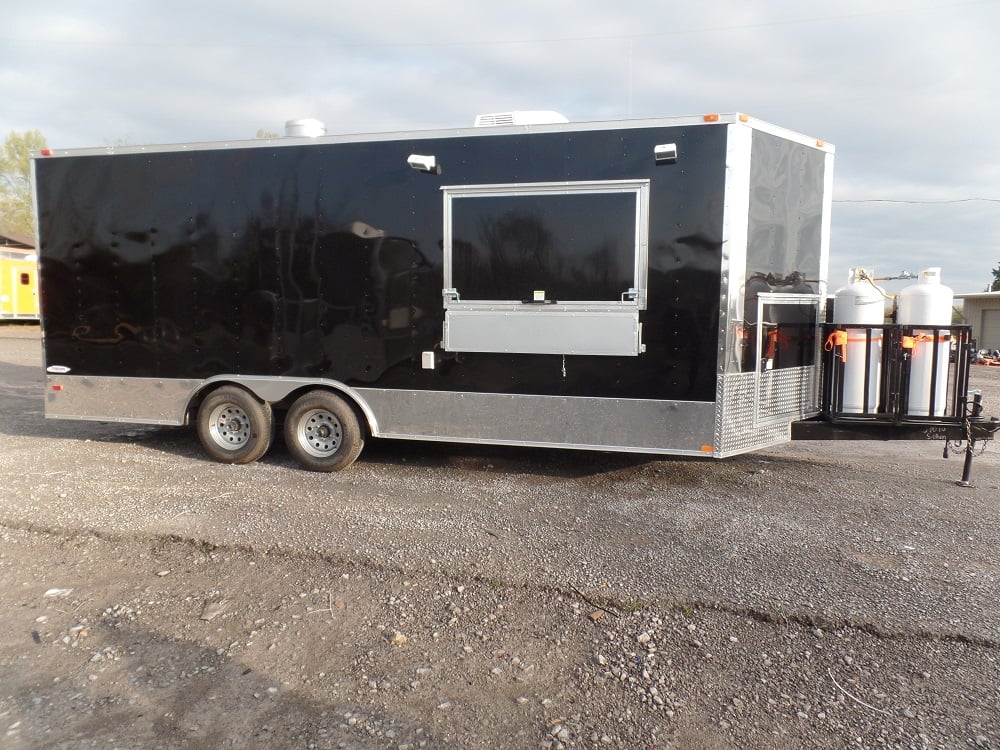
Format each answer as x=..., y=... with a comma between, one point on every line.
x=907, y=94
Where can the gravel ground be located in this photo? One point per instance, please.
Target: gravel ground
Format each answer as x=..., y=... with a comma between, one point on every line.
x=441, y=596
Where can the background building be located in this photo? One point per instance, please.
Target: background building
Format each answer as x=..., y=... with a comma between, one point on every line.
x=18, y=277
x=982, y=312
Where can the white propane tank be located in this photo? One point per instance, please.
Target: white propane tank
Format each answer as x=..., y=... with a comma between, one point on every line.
x=860, y=303
x=927, y=303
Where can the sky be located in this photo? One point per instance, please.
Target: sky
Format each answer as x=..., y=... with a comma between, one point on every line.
x=908, y=92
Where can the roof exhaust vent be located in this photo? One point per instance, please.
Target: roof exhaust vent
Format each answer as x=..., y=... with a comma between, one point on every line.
x=308, y=127
x=528, y=117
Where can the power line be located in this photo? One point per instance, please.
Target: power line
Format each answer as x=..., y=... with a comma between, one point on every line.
x=915, y=202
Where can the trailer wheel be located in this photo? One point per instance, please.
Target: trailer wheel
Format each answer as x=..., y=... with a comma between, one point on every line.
x=322, y=432
x=234, y=427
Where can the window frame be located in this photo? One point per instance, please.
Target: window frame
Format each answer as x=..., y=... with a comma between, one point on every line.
x=634, y=297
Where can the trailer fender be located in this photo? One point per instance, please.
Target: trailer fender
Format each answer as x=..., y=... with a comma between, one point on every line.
x=273, y=390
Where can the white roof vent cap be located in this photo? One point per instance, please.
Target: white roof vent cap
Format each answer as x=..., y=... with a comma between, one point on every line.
x=308, y=127
x=524, y=117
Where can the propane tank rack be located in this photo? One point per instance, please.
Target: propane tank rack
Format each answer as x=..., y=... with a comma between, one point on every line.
x=923, y=373
x=922, y=390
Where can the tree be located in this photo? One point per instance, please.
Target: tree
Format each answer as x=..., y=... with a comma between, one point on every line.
x=16, y=213
x=995, y=286
x=262, y=133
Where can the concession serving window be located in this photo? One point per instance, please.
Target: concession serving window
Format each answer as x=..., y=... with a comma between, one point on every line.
x=546, y=267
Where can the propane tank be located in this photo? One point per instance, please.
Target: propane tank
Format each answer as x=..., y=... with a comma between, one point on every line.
x=927, y=303
x=861, y=302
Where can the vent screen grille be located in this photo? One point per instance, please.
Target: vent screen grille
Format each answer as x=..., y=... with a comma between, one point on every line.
x=502, y=118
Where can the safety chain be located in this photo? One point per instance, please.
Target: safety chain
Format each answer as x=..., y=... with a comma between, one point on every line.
x=957, y=447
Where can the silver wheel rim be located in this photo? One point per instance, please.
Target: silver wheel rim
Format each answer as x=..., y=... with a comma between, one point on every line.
x=320, y=433
x=229, y=427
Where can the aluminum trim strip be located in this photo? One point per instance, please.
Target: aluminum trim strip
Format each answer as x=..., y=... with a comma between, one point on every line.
x=735, y=229
x=401, y=135
x=789, y=135
x=637, y=425
x=108, y=399
x=277, y=388
x=625, y=425
x=824, y=239
x=165, y=401
x=645, y=123
x=527, y=444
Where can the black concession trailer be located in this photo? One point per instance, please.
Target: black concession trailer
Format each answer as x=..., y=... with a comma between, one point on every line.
x=655, y=286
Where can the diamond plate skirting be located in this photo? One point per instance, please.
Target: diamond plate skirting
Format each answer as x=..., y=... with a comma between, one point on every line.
x=752, y=414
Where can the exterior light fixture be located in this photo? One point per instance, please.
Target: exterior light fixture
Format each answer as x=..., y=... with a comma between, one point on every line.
x=422, y=163
x=665, y=153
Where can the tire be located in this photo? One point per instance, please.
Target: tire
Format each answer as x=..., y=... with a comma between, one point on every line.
x=234, y=427
x=322, y=432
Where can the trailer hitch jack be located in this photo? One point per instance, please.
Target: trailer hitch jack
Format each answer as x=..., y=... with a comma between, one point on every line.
x=976, y=428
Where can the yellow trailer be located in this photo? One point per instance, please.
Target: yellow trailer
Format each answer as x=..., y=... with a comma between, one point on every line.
x=18, y=287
